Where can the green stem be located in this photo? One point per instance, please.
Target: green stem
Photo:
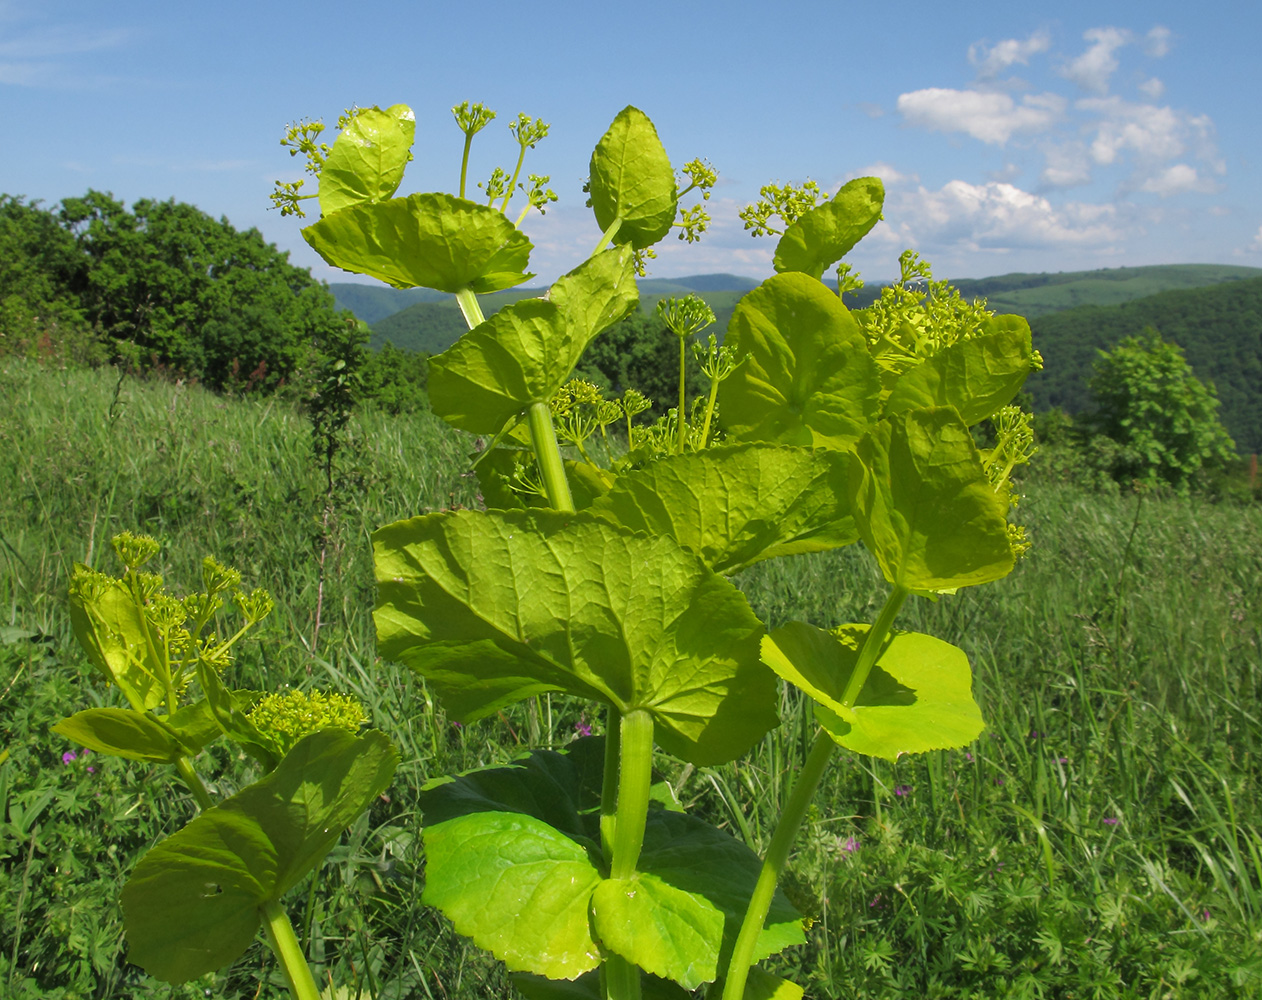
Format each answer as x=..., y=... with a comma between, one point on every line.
x=464, y=162
x=512, y=185
x=635, y=777
x=548, y=454
x=709, y=411
x=607, y=238
x=609, y=783
x=280, y=935
x=622, y=979
x=872, y=644
x=467, y=299
x=773, y=865
x=683, y=397
x=194, y=783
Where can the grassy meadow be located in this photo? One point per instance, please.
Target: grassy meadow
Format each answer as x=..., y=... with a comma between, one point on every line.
x=1102, y=839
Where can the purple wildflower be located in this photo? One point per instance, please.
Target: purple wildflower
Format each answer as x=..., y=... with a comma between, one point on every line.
x=850, y=846
x=1062, y=760
x=902, y=790
x=968, y=756
x=1111, y=821
x=68, y=756
x=582, y=728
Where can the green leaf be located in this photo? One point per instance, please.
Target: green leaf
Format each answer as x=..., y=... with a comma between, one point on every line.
x=918, y=696
x=924, y=506
x=117, y=637
x=192, y=904
x=587, y=987
x=809, y=379
x=494, y=606
x=762, y=985
x=496, y=470
x=632, y=179
x=827, y=233
x=977, y=376
x=735, y=505
x=517, y=887
x=526, y=351
x=195, y=725
x=429, y=240
x=678, y=917
x=229, y=709
x=368, y=158
x=121, y=732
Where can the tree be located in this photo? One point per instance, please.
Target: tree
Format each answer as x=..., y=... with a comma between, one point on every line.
x=639, y=353
x=1162, y=417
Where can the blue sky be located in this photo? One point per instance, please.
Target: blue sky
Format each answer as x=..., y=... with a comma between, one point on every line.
x=1098, y=135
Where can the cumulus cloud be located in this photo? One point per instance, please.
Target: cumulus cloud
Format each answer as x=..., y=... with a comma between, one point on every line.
x=1092, y=70
x=1256, y=245
x=990, y=61
x=999, y=216
x=889, y=174
x=1152, y=88
x=1157, y=42
x=1150, y=132
x=1066, y=164
x=1177, y=178
x=989, y=116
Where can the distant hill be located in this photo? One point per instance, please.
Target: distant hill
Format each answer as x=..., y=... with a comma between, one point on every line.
x=373, y=302
x=1219, y=329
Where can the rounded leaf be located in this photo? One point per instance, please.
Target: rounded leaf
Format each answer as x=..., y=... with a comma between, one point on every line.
x=632, y=179
x=368, y=158
x=828, y=232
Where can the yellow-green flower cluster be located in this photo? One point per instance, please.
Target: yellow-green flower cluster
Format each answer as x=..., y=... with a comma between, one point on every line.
x=289, y=716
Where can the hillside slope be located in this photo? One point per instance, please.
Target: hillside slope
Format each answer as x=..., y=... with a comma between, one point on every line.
x=1219, y=329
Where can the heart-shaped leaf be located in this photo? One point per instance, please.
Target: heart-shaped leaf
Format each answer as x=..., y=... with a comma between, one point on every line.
x=632, y=180
x=976, y=376
x=828, y=232
x=192, y=904
x=492, y=607
x=736, y=505
x=526, y=351
x=428, y=240
x=924, y=506
x=368, y=158
x=809, y=379
x=918, y=696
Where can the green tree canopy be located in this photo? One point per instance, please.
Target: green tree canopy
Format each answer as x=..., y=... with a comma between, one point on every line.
x=1164, y=419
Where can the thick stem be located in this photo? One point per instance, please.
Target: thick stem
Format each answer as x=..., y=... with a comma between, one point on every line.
x=190, y=778
x=622, y=979
x=467, y=299
x=773, y=865
x=683, y=398
x=284, y=942
x=609, y=783
x=872, y=644
x=548, y=454
x=635, y=777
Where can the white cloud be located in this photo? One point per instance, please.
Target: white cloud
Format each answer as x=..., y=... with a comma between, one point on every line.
x=1176, y=179
x=1065, y=164
x=889, y=174
x=994, y=60
x=1256, y=245
x=1149, y=131
x=1092, y=70
x=989, y=116
x=1152, y=88
x=1157, y=42
x=997, y=216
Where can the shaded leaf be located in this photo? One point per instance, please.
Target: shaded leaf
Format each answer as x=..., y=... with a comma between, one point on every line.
x=809, y=380
x=828, y=232
x=496, y=472
x=918, y=696
x=976, y=376
x=631, y=178
x=192, y=904
x=121, y=732
x=428, y=240
x=923, y=504
x=735, y=505
x=494, y=606
x=587, y=987
x=368, y=158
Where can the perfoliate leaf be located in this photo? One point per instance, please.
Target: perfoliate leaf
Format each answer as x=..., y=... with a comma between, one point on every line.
x=918, y=696
x=527, y=350
x=977, y=376
x=809, y=380
x=678, y=917
x=735, y=505
x=428, y=240
x=492, y=607
x=368, y=158
x=192, y=904
x=632, y=179
x=117, y=637
x=517, y=887
x=121, y=732
x=923, y=504
x=828, y=232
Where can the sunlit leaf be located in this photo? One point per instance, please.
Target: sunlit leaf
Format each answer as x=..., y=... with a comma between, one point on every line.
x=918, y=696
x=923, y=504
x=632, y=179
x=809, y=379
x=121, y=732
x=427, y=240
x=192, y=905
x=977, y=376
x=736, y=505
x=828, y=232
x=117, y=637
x=494, y=606
x=368, y=158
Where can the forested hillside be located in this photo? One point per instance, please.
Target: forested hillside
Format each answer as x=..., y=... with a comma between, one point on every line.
x=1219, y=329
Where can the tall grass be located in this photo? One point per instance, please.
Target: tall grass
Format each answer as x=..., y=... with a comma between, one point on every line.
x=1102, y=838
